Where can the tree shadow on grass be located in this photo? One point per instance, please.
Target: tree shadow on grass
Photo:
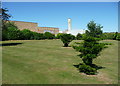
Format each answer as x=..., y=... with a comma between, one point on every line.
x=10, y=44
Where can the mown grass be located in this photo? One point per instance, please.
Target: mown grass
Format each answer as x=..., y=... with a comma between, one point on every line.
x=47, y=62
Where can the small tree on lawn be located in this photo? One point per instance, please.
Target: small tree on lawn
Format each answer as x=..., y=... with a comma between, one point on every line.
x=89, y=49
x=79, y=36
x=66, y=39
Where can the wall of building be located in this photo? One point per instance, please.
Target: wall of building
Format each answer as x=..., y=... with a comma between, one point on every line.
x=48, y=29
x=34, y=27
x=26, y=25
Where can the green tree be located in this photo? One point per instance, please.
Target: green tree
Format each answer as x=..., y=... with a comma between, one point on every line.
x=27, y=34
x=79, y=36
x=59, y=35
x=10, y=31
x=94, y=30
x=66, y=39
x=115, y=36
x=89, y=49
x=5, y=17
x=118, y=37
x=49, y=35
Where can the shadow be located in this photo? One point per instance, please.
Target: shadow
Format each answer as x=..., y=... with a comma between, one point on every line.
x=10, y=44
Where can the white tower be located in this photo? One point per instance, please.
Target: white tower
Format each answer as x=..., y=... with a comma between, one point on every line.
x=69, y=24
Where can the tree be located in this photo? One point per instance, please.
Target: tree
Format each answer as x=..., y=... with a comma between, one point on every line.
x=11, y=31
x=118, y=37
x=27, y=34
x=94, y=30
x=59, y=35
x=115, y=36
x=90, y=48
x=5, y=17
x=79, y=36
x=66, y=39
x=49, y=35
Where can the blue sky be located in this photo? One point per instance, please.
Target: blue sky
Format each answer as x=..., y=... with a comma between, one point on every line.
x=55, y=14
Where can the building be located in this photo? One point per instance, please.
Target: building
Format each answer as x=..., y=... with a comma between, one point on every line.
x=34, y=27
x=73, y=31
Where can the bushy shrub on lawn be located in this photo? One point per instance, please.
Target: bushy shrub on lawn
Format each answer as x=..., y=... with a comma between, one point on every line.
x=66, y=39
x=118, y=37
x=79, y=36
x=49, y=35
x=59, y=35
x=27, y=34
x=11, y=32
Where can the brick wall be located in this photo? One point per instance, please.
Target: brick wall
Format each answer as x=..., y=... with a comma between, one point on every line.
x=34, y=27
x=26, y=25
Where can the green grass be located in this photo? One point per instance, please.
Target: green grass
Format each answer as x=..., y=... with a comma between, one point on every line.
x=47, y=62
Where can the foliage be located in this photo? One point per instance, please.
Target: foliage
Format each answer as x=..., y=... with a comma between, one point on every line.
x=94, y=30
x=49, y=35
x=66, y=39
x=79, y=36
x=90, y=48
x=118, y=37
x=108, y=36
x=11, y=32
x=5, y=17
x=87, y=69
x=59, y=35
x=27, y=34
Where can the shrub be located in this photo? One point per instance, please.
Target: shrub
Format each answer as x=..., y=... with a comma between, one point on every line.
x=79, y=36
x=11, y=32
x=118, y=37
x=108, y=36
x=66, y=39
x=49, y=35
x=59, y=35
x=27, y=34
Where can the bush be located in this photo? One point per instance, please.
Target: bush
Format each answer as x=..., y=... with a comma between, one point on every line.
x=59, y=35
x=79, y=36
x=108, y=36
x=66, y=39
x=27, y=34
x=49, y=35
x=11, y=32
x=118, y=37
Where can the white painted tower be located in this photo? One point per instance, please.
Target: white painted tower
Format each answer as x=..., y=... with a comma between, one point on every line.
x=69, y=24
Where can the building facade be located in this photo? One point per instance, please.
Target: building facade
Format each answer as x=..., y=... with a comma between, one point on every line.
x=34, y=27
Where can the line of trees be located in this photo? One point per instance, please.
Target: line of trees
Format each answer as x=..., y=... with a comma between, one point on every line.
x=11, y=32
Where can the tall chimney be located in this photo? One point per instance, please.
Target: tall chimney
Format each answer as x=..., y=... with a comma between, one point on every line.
x=69, y=24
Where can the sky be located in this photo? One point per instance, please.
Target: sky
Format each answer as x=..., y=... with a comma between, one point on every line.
x=55, y=14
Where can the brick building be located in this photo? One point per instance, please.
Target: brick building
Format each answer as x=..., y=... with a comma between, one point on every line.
x=34, y=27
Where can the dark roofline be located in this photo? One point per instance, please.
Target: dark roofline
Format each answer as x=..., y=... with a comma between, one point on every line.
x=24, y=21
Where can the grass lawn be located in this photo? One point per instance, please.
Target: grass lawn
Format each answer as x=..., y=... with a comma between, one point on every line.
x=47, y=62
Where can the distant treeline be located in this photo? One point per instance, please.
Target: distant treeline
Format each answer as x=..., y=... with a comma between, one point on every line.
x=11, y=32
x=104, y=36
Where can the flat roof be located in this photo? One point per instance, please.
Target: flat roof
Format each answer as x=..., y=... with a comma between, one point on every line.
x=24, y=21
